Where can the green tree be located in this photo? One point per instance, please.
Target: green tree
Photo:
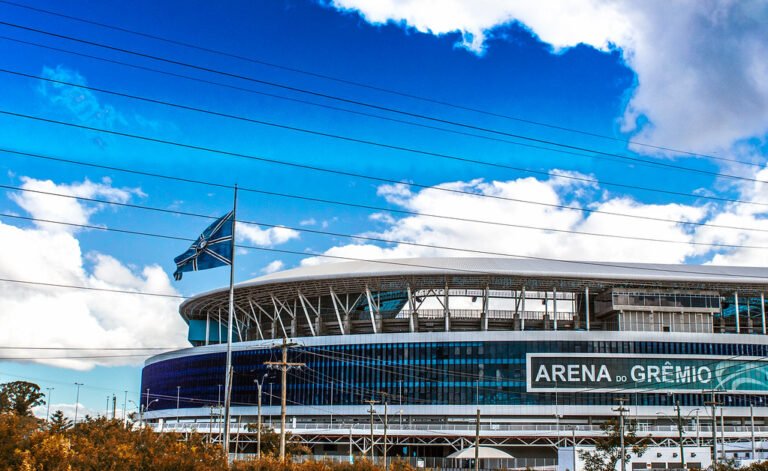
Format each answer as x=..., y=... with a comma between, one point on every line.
x=59, y=422
x=19, y=397
x=607, y=452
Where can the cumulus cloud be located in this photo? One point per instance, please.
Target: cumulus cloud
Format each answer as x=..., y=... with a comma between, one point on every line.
x=44, y=206
x=702, y=82
x=265, y=237
x=550, y=236
x=275, y=265
x=38, y=316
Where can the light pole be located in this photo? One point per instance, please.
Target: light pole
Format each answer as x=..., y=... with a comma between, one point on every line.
x=125, y=406
x=138, y=408
x=259, y=384
x=178, y=390
x=48, y=408
x=680, y=429
x=77, y=402
x=146, y=409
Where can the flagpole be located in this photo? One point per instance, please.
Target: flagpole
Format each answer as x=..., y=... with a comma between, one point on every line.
x=228, y=376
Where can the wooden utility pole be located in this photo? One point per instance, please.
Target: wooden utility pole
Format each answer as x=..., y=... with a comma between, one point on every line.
x=621, y=409
x=284, y=365
x=372, y=411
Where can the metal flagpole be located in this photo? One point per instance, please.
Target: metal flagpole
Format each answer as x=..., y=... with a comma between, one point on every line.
x=228, y=377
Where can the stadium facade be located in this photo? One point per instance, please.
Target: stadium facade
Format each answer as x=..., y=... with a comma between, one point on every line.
x=546, y=350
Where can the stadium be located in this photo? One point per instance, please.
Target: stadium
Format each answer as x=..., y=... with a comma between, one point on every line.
x=545, y=350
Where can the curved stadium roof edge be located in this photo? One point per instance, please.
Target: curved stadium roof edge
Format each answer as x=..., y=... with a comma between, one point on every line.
x=478, y=266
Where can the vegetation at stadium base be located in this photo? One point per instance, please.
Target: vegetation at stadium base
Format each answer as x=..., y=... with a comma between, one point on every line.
x=28, y=443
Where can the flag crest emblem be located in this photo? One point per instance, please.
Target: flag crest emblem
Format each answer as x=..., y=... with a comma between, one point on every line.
x=212, y=249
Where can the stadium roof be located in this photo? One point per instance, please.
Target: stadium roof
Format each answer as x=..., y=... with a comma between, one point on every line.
x=516, y=267
x=354, y=273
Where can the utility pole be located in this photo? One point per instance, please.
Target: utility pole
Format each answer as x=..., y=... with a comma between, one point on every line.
x=372, y=411
x=621, y=409
x=714, y=405
x=680, y=434
x=477, y=441
x=114, y=406
x=284, y=365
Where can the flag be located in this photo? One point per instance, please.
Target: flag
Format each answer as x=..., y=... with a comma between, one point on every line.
x=212, y=249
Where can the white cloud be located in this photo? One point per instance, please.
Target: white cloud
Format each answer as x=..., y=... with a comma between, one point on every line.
x=265, y=237
x=37, y=316
x=702, y=81
x=69, y=411
x=86, y=107
x=42, y=206
x=275, y=265
x=308, y=222
x=438, y=232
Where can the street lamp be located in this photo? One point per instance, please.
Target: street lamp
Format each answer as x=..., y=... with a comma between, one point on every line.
x=145, y=410
x=259, y=384
x=137, y=408
x=178, y=390
x=77, y=401
x=679, y=429
x=48, y=408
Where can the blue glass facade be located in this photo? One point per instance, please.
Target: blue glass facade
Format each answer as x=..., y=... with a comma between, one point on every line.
x=433, y=373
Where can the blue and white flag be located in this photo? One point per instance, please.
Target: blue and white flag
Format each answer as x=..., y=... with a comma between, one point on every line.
x=212, y=249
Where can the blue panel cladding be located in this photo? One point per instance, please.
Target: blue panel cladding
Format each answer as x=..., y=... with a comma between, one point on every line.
x=430, y=373
x=197, y=330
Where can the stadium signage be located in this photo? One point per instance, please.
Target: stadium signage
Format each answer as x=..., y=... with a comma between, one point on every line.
x=663, y=373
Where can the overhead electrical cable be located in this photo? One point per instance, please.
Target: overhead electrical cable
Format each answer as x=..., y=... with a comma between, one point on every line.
x=369, y=86
x=381, y=261
x=374, y=106
x=526, y=170
x=388, y=146
x=361, y=176
x=87, y=288
x=372, y=238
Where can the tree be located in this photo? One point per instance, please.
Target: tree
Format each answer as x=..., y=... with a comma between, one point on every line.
x=270, y=442
x=19, y=397
x=59, y=422
x=607, y=452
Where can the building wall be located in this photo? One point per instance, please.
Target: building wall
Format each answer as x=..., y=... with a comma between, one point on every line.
x=463, y=369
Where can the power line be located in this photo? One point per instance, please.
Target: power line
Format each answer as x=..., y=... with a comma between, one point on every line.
x=388, y=146
x=378, y=239
x=361, y=176
x=383, y=261
x=18, y=347
x=371, y=87
x=328, y=201
x=87, y=288
x=382, y=108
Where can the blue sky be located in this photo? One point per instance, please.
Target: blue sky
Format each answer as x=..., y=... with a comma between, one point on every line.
x=612, y=72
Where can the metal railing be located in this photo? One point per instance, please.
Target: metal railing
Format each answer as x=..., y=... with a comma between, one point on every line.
x=394, y=427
